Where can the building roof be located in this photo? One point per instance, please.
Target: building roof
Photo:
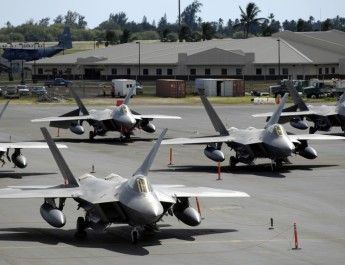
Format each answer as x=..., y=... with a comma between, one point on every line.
x=295, y=48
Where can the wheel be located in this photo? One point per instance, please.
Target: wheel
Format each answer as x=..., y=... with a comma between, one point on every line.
x=233, y=162
x=135, y=236
x=91, y=135
x=279, y=163
x=80, y=233
x=312, y=130
x=273, y=166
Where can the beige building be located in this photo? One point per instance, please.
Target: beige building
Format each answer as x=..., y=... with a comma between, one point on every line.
x=299, y=55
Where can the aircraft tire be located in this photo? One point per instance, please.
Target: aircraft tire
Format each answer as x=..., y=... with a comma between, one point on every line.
x=135, y=236
x=80, y=233
x=233, y=162
x=91, y=135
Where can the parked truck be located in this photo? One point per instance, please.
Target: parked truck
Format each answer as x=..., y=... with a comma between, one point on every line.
x=280, y=89
x=317, y=89
x=58, y=82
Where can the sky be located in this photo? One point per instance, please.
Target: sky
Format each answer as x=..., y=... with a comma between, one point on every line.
x=20, y=11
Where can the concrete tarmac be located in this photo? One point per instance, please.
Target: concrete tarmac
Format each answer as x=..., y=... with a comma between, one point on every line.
x=309, y=193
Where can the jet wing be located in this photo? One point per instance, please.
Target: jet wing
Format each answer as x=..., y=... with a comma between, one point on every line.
x=5, y=146
x=287, y=114
x=199, y=192
x=61, y=118
x=57, y=191
x=200, y=140
x=299, y=137
x=154, y=116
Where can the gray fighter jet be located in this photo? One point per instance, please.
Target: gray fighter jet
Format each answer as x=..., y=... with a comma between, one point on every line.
x=114, y=199
x=324, y=117
x=17, y=157
x=120, y=119
x=249, y=144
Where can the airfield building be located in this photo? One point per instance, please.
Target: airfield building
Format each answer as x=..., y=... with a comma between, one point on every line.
x=297, y=55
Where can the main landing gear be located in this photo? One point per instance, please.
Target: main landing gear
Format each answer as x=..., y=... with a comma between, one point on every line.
x=81, y=226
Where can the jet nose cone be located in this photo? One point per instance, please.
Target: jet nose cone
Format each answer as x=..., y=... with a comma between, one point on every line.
x=128, y=121
x=288, y=148
x=152, y=212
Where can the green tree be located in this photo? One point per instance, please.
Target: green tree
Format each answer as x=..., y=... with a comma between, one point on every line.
x=207, y=31
x=126, y=34
x=44, y=22
x=189, y=15
x=326, y=25
x=249, y=18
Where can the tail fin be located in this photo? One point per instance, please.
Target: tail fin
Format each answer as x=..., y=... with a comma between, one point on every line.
x=4, y=108
x=276, y=115
x=128, y=96
x=79, y=102
x=297, y=99
x=146, y=165
x=341, y=100
x=60, y=161
x=66, y=41
x=212, y=114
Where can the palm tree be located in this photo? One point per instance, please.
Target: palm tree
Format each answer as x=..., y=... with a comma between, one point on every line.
x=249, y=18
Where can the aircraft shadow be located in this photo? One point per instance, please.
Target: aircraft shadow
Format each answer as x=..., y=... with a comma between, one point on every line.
x=108, y=141
x=115, y=239
x=19, y=175
x=262, y=170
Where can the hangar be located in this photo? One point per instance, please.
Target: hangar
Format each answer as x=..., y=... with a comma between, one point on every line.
x=298, y=55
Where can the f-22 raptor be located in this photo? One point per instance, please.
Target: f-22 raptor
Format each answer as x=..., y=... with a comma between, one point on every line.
x=324, y=117
x=249, y=144
x=18, y=159
x=120, y=119
x=114, y=199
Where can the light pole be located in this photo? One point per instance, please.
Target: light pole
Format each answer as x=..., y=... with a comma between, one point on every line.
x=36, y=43
x=22, y=72
x=278, y=40
x=138, y=42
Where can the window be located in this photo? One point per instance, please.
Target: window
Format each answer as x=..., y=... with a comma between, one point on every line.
x=128, y=71
x=238, y=71
x=326, y=70
x=258, y=71
x=207, y=71
x=145, y=71
x=193, y=71
x=114, y=71
x=40, y=71
x=224, y=71
x=333, y=70
x=158, y=71
x=320, y=71
x=285, y=71
x=271, y=71
x=169, y=71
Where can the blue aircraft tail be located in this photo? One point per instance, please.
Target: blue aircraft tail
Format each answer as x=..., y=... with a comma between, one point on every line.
x=66, y=41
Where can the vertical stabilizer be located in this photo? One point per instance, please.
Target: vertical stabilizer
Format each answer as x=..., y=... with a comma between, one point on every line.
x=60, y=161
x=212, y=114
x=146, y=165
x=128, y=96
x=4, y=108
x=79, y=102
x=66, y=41
x=276, y=115
x=297, y=99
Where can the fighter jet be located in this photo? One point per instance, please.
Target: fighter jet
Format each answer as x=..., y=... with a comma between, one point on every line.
x=120, y=119
x=249, y=144
x=17, y=158
x=114, y=199
x=324, y=117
